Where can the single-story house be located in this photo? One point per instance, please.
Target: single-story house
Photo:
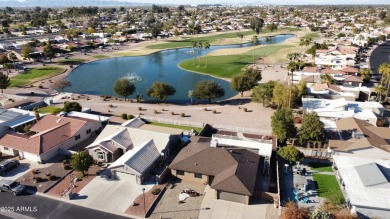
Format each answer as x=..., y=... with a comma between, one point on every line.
x=365, y=181
x=231, y=173
x=115, y=140
x=137, y=162
x=48, y=137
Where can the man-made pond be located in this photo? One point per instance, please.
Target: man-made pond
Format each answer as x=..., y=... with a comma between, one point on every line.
x=98, y=78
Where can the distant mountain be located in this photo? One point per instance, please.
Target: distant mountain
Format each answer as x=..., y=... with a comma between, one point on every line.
x=69, y=3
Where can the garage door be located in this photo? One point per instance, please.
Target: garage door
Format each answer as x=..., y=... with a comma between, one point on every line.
x=126, y=176
x=232, y=197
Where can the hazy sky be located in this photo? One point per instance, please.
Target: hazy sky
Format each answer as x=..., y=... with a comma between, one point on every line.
x=284, y=2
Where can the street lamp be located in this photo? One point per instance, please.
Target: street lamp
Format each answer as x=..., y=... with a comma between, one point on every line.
x=143, y=192
x=286, y=168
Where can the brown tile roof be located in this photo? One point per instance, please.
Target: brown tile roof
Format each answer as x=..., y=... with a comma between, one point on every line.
x=326, y=86
x=347, y=49
x=235, y=170
x=310, y=69
x=51, y=121
x=352, y=78
x=331, y=71
x=50, y=134
x=373, y=136
x=350, y=70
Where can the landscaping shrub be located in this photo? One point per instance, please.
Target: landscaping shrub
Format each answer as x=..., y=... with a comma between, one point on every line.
x=139, y=108
x=51, y=178
x=124, y=116
x=33, y=171
x=155, y=112
x=38, y=180
x=182, y=114
x=156, y=191
x=336, y=198
x=130, y=117
x=172, y=113
x=67, y=166
x=214, y=111
x=40, y=87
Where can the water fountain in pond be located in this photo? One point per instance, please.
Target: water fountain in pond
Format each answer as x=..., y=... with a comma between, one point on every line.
x=133, y=77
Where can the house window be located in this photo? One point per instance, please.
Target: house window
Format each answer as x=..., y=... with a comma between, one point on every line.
x=6, y=149
x=198, y=175
x=180, y=172
x=100, y=155
x=88, y=131
x=77, y=137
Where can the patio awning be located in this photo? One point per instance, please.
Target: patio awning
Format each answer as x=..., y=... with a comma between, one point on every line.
x=20, y=121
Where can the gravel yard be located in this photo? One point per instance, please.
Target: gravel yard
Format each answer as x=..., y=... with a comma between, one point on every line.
x=169, y=207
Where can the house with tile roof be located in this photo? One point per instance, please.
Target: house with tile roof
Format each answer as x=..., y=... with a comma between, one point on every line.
x=50, y=136
x=357, y=134
x=114, y=141
x=231, y=171
x=137, y=162
x=336, y=57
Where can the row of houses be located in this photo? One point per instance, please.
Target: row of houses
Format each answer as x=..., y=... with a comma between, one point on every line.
x=236, y=167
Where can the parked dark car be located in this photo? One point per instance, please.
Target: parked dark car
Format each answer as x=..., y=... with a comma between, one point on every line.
x=7, y=165
x=11, y=186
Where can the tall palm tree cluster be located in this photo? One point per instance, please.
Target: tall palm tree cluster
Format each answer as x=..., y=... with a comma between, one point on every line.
x=384, y=85
x=197, y=49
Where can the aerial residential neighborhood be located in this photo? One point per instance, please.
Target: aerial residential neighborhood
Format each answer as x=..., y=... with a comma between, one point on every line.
x=152, y=109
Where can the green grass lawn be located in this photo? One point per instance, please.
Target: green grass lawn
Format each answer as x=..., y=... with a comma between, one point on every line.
x=49, y=109
x=210, y=39
x=324, y=167
x=229, y=65
x=100, y=56
x=35, y=75
x=328, y=187
x=176, y=126
x=188, y=42
x=311, y=35
x=71, y=61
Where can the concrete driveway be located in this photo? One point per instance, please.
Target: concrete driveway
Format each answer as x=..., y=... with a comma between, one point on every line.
x=220, y=209
x=111, y=196
x=23, y=168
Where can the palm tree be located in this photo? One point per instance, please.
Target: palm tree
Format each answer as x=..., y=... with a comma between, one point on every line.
x=384, y=69
x=194, y=45
x=380, y=90
x=328, y=79
x=292, y=66
x=255, y=42
x=305, y=42
x=206, y=46
x=293, y=56
x=199, y=47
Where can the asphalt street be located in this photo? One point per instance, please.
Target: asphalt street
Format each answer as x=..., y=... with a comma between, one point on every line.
x=27, y=206
x=380, y=55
